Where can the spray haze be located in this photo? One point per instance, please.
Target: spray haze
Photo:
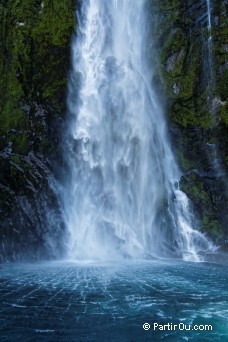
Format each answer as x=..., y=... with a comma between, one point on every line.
x=122, y=198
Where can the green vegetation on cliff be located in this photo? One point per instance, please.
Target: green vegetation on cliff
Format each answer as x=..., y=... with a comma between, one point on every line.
x=35, y=39
x=34, y=62
x=194, y=74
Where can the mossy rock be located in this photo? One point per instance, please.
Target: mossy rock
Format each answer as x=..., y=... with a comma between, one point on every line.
x=222, y=86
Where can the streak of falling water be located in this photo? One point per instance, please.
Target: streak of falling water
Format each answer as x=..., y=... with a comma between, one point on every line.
x=210, y=47
x=213, y=153
x=209, y=16
x=122, y=198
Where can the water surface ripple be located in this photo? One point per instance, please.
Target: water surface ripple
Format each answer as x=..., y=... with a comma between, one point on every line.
x=72, y=301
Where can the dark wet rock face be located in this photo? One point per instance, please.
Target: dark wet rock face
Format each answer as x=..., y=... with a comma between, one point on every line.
x=35, y=39
x=194, y=74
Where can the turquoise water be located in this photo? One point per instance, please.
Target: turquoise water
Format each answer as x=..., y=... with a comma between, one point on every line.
x=70, y=301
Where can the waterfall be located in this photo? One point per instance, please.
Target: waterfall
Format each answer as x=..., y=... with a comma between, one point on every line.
x=209, y=17
x=213, y=153
x=121, y=198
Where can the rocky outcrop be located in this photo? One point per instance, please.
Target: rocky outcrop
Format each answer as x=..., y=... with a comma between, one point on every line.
x=193, y=72
x=35, y=41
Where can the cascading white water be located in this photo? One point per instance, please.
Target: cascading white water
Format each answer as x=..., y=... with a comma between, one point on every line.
x=122, y=197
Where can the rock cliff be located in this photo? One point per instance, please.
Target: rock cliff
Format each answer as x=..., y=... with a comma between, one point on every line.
x=191, y=38
x=35, y=38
